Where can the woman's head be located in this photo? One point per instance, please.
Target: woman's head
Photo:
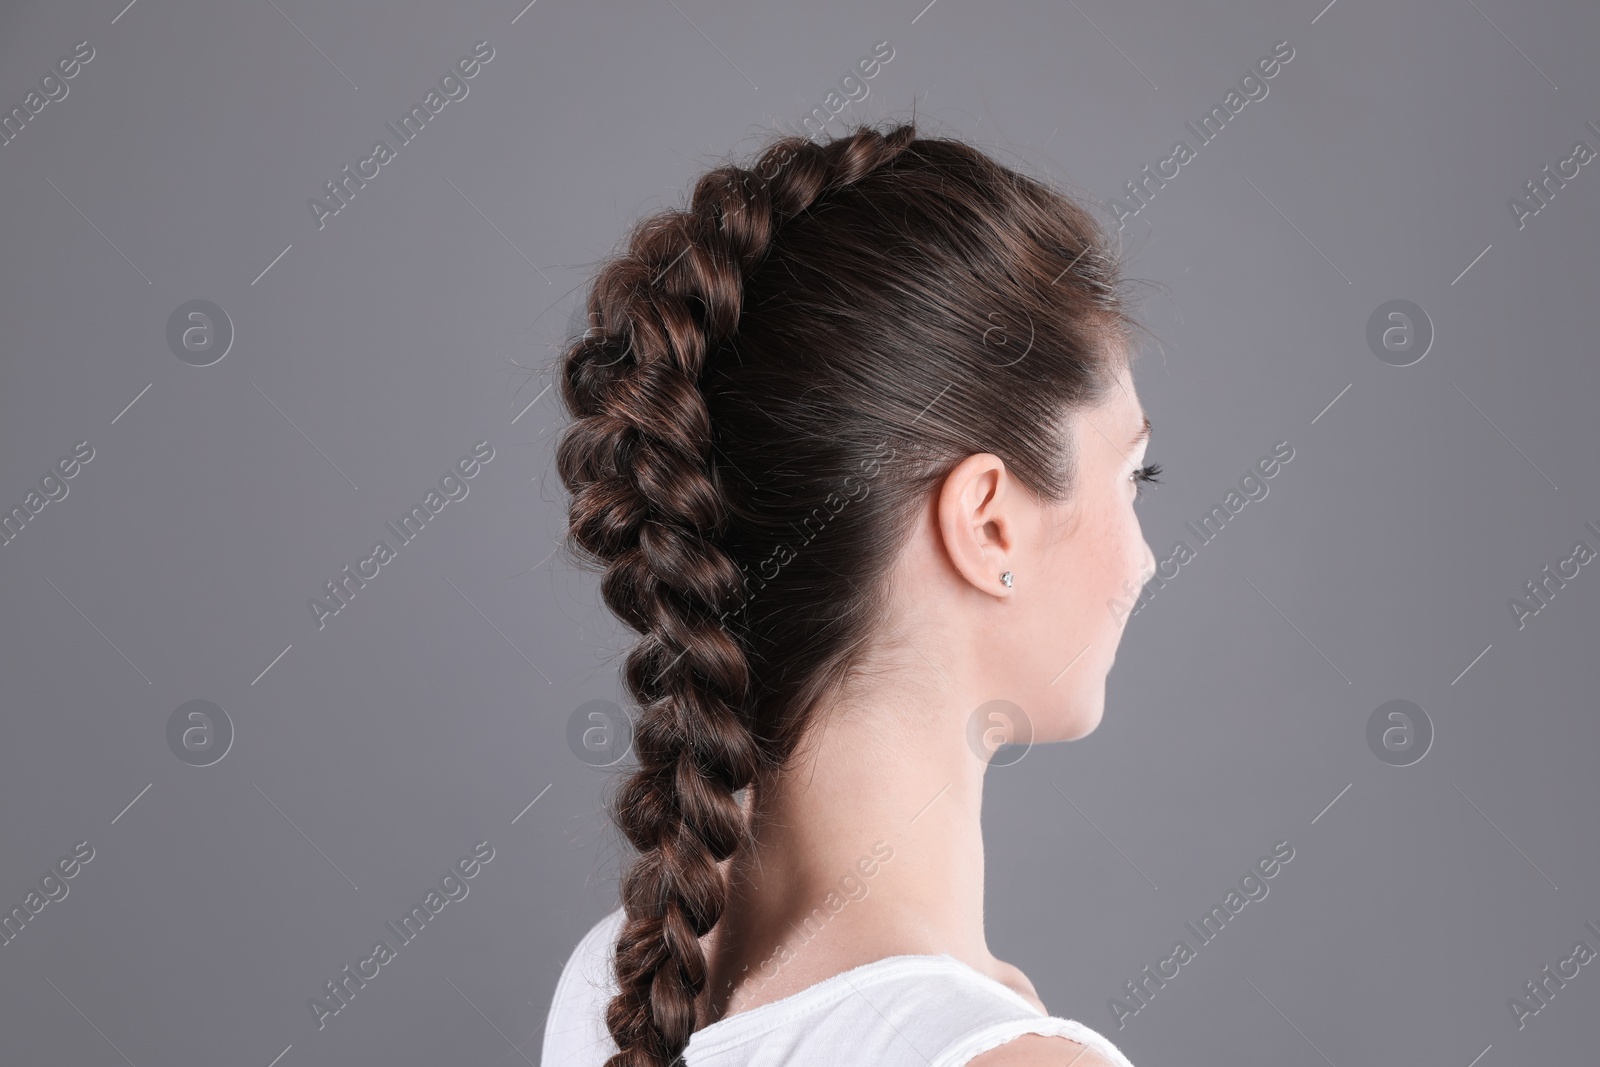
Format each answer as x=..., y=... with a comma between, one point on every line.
x=1041, y=647
x=853, y=382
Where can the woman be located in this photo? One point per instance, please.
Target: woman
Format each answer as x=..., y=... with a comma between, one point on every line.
x=856, y=444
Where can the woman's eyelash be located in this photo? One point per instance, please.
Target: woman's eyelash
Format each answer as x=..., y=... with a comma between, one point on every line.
x=1145, y=474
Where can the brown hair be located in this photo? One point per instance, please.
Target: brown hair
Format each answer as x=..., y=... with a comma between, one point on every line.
x=771, y=383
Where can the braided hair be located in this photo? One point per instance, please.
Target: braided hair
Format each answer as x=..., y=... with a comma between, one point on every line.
x=772, y=382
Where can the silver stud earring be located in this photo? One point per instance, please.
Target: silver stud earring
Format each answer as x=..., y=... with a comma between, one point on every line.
x=1005, y=579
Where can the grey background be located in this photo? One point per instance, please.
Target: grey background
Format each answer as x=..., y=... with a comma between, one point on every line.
x=430, y=713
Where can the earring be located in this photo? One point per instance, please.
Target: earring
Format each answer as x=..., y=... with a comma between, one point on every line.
x=1005, y=579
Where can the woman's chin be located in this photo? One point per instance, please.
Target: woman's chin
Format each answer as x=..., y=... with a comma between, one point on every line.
x=1075, y=722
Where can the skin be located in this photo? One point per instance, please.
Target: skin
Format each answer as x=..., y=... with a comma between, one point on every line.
x=890, y=760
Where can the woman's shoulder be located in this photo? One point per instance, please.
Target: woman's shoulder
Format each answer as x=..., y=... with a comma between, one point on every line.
x=934, y=1002
x=1078, y=1046
x=588, y=967
x=905, y=1011
x=574, y=1031
x=1043, y=1050
x=1025, y=1034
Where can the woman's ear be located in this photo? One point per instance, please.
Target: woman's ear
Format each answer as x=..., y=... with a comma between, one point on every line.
x=980, y=519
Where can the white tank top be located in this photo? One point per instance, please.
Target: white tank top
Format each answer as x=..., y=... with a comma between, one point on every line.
x=900, y=1011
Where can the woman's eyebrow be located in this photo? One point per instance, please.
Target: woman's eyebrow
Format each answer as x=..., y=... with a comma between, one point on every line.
x=1143, y=433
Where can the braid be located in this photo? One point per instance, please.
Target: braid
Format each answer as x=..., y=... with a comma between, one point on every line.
x=648, y=502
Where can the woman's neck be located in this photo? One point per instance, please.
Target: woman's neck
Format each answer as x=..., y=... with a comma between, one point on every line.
x=868, y=845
